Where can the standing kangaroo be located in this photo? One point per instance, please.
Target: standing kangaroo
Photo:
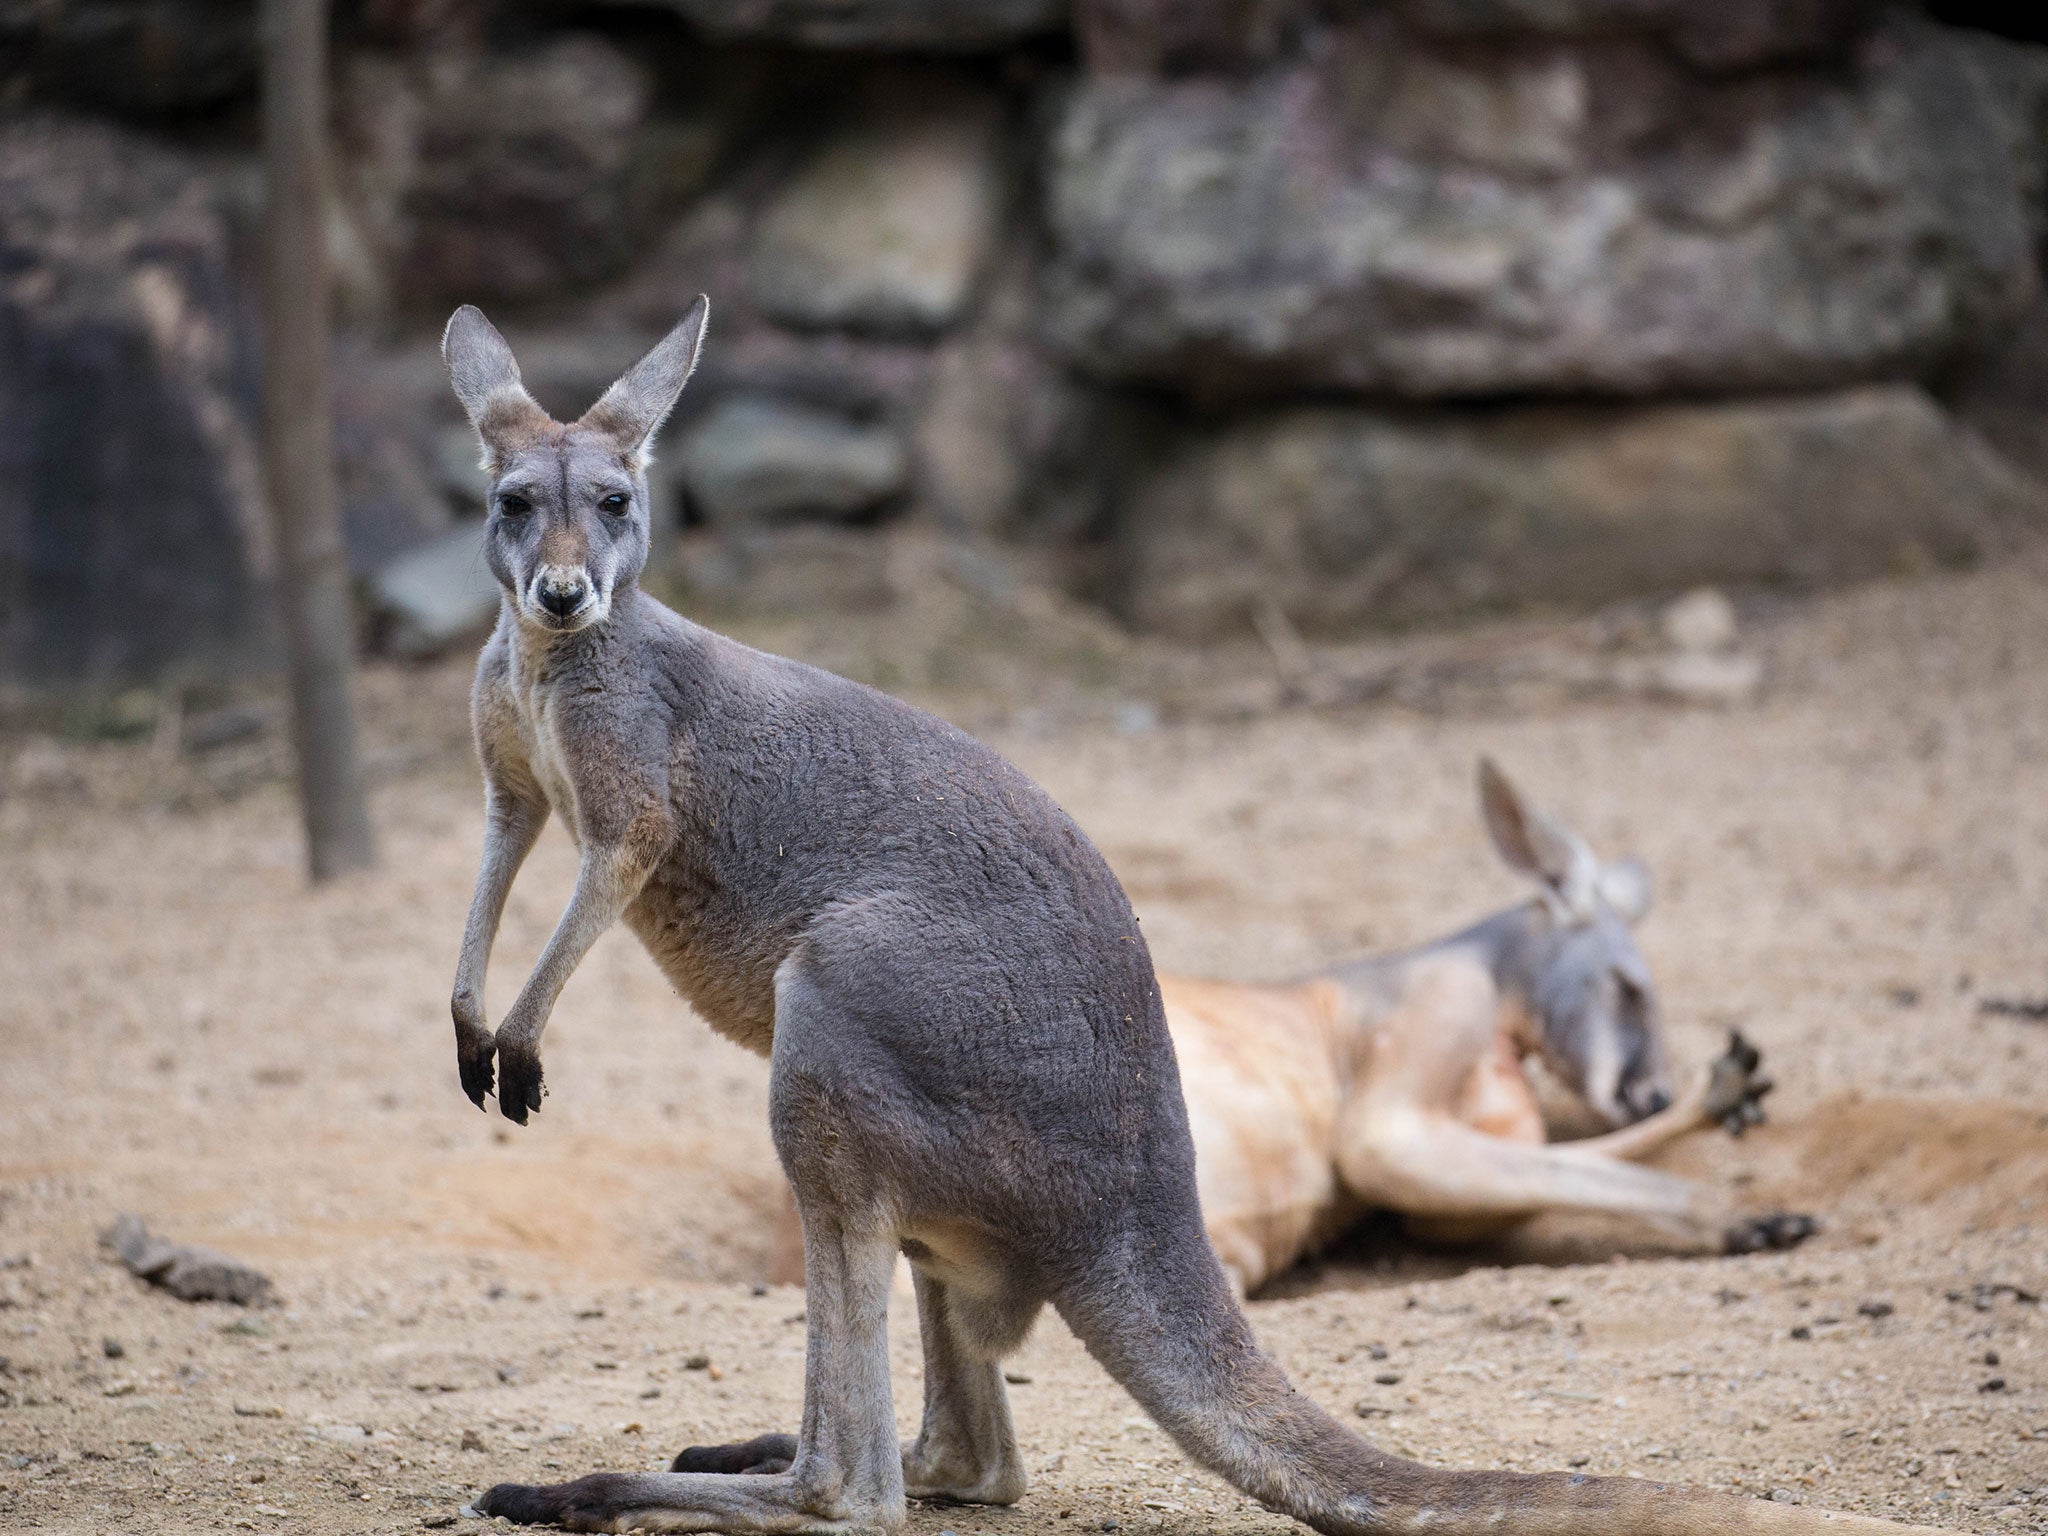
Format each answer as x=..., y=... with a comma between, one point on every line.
x=969, y=1063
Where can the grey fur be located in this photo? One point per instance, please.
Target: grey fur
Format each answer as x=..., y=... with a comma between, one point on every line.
x=969, y=1057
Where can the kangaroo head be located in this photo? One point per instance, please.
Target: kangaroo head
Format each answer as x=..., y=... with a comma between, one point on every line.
x=568, y=519
x=1588, y=986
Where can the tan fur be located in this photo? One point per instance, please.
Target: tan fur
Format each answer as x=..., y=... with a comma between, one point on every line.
x=1309, y=1108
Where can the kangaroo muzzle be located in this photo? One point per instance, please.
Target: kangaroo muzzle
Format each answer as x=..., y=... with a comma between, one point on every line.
x=563, y=597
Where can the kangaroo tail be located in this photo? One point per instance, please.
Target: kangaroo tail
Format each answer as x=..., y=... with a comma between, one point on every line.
x=1158, y=1315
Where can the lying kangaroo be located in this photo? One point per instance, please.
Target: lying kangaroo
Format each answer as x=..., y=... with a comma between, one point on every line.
x=969, y=1060
x=1396, y=1083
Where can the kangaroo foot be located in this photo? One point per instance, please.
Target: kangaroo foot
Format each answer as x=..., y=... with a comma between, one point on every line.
x=763, y=1453
x=1769, y=1234
x=520, y=1088
x=589, y=1504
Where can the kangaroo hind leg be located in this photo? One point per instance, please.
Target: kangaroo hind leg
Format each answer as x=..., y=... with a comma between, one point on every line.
x=845, y=1468
x=847, y=1473
x=966, y=1450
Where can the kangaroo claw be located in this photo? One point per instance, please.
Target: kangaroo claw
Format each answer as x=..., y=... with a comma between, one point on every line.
x=520, y=1085
x=474, y=1048
x=1735, y=1088
x=1769, y=1234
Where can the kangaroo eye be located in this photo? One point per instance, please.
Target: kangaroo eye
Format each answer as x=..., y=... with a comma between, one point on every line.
x=614, y=503
x=514, y=505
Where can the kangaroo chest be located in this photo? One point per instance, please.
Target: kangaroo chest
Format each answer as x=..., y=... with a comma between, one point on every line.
x=537, y=715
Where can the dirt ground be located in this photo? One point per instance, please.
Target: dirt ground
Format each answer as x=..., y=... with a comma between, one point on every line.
x=1848, y=867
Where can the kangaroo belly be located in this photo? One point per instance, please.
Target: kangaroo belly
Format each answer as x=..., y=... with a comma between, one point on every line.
x=725, y=973
x=1262, y=1106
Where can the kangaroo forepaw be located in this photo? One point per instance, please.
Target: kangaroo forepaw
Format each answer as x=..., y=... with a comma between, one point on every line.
x=1735, y=1088
x=474, y=1063
x=763, y=1453
x=474, y=1048
x=520, y=1088
x=1769, y=1234
x=590, y=1503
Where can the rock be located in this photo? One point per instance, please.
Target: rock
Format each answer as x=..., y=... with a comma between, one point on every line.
x=188, y=1272
x=137, y=57
x=1402, y=217
x=994, y=415
x=1175, y=36
x=753, y=459
x=475, y=175
x=1183, y=36
x=959, y=26
x=1729, y=34
x=392, y=496
x=2004, y=394
x=127, y=393
x=458, y=467
x=1701, y=622
x=1346, y=517
x=433, y=597
x=886, y=227
x=1719, y=679
x=806, y=569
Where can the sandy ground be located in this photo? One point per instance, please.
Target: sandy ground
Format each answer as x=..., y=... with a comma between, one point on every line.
x=1847, y=867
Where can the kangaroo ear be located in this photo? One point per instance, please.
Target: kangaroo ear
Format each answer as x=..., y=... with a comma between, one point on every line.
x=486, y=380
x=1534, y=844
x=1625, y=886
x=633, y=409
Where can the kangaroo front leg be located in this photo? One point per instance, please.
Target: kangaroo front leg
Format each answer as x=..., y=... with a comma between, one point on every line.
x=1729, y=1092
x=512, y=824
x=606, y=883
x=1432, y=1166
x=848, y=1471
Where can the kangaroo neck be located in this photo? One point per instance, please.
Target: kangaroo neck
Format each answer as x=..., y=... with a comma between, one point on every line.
x=541, y=657
x=1509, y=944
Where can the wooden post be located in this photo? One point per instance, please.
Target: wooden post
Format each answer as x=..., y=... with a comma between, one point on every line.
x=298, y=438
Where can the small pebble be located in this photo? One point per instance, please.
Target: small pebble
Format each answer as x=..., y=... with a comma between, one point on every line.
x=1578, y=1460
x=1991, y=1357
x=697, y=1363
x=472, y=1441
x=1388, y=1378
x=1017, y=1378
x=1784, y=1496
x=113, y=1349
x=438, y=1522
x=1995, y=1384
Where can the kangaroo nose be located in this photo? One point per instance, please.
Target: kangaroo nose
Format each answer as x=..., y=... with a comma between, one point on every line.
x=562, y=595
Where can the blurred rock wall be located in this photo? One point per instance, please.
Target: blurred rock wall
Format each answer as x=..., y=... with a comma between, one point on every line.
x=1377, y=311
